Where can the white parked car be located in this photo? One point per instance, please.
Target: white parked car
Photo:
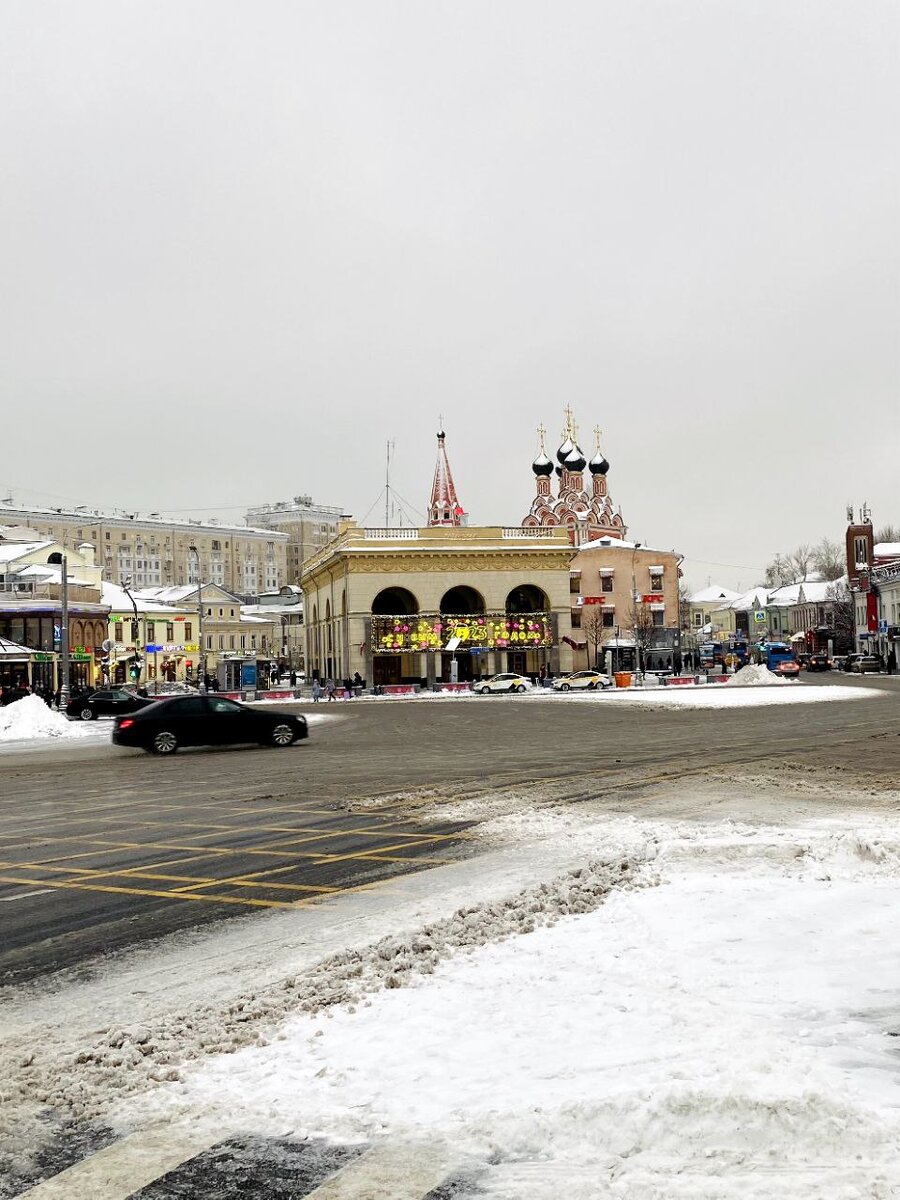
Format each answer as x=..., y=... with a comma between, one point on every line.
x=582, y=680
x=507, y=682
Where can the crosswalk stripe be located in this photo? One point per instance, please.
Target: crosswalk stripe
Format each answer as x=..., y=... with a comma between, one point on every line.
x=129, y=1165
x=400, y=1173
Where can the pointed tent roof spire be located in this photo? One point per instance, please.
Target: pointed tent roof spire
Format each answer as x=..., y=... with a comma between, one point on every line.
x=445, y=508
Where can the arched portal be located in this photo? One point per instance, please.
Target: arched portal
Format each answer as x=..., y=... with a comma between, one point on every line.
x=528, y=597
x=395, y=602
x=462, y=600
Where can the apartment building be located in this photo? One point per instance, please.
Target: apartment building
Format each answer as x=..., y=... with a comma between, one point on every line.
x=156, y=551
x=307, y=526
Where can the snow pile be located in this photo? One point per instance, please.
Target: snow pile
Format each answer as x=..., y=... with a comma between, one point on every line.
x=131, y=1057
x=696, y=1039
x=754, y=675
x=31, y=718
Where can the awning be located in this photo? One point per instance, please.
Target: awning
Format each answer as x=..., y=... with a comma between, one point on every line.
x=13, y=652
x=799, y=637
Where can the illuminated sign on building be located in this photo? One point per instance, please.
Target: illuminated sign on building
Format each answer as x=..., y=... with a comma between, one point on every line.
x=478, y=631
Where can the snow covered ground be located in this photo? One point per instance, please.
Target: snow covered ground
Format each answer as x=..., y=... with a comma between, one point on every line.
x=709, y=1010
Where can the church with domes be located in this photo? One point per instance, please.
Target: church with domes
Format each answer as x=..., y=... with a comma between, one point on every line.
x=586, y=515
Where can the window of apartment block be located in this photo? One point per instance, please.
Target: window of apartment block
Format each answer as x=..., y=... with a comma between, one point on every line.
x=609, y=620
x=698, y=619
x=252, y=641
x=574, y=582
x=243, y=641
x=108, y=536
x=217, y=545
x=659, y=618
x=117, y=631
x=209, y=641
x=151, y=631
x=188, y=631
x=606, y=583
x=221, y=641
x=231, y=641
x=656, y=581
x=576, y=618
x=170, y=633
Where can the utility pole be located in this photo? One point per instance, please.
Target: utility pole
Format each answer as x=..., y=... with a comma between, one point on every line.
x=201, y=654
x=64, y=688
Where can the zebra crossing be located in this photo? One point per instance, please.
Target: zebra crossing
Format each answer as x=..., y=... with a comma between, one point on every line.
x=185, y=1163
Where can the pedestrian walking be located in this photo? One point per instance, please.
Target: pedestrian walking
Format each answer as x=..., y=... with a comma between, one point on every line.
x=330, y=689
x=316, y=691
x=293, y=679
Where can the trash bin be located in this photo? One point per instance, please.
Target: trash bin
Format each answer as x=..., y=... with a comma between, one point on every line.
x=623, y=679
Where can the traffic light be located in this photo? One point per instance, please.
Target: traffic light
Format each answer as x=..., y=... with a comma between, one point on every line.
x=135, y=671
x=135, y=631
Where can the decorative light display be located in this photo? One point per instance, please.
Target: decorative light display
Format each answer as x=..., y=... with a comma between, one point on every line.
x=477, y=631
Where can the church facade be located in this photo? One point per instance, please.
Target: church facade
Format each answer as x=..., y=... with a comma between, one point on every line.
x=585, y=514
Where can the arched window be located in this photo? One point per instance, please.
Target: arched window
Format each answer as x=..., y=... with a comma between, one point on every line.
x=394, y=602
x=528, y=597
x=462, y=600
x=55, y=558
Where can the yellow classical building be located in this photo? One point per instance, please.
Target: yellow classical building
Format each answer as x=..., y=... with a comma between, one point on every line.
x=442, y=603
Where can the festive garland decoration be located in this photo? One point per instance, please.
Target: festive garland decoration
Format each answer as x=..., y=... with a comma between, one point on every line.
x=481, y=631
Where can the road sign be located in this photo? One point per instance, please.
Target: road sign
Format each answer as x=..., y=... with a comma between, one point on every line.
x=759, y=616
x=882, y=626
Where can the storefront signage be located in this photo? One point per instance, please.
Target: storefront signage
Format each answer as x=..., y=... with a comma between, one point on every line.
x=480, y=631
x=654, y=598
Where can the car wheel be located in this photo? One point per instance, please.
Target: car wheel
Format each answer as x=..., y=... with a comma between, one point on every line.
x=165, y=742
x=565, y=687
x=521, y=688
x=282, y=735
x=485, y=691
x=88, y=714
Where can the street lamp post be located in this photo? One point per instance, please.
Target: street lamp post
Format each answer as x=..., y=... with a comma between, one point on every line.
x=135, y=628
x=64, y=682
x=201, y=653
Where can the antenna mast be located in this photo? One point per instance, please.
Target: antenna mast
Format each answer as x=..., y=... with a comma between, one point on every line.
x=387, y=483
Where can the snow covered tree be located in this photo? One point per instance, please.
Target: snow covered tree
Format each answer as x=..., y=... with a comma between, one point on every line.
x=888, y=533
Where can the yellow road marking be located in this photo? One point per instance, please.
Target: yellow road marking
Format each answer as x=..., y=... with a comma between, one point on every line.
x=97, y=887
x=193, y=881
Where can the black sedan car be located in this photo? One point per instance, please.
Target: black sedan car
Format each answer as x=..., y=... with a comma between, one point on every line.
x=818, y=662
x=178, y=721
x=107, y=702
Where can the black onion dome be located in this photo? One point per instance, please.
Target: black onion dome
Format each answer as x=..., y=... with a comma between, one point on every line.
x=598, y=464
x=542, y=465
x=575, y=460
x=565, y=450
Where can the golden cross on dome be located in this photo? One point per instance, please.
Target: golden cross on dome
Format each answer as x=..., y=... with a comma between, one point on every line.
x=597, y=433
x=541, y=434
x=569, y=430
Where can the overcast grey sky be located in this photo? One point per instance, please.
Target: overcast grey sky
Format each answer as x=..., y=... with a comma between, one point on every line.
x=244, y=244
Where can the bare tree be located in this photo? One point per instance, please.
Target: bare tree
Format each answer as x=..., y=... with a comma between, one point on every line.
x=684, y=606
x=800, y=561
x=888, y=533
x=593, y=630
x=642, y=630
x=841, y=599
x=828, y=559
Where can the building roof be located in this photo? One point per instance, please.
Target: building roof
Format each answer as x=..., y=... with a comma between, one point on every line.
x=10, y=551
x=612, y=543
x=120, y=601
x=887, y=550
x=714, y=594
x=97, y=516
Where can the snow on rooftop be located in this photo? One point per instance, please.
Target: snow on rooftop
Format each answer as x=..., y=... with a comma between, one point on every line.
x=713, y=594
x=887, y=550
x=96, y=516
